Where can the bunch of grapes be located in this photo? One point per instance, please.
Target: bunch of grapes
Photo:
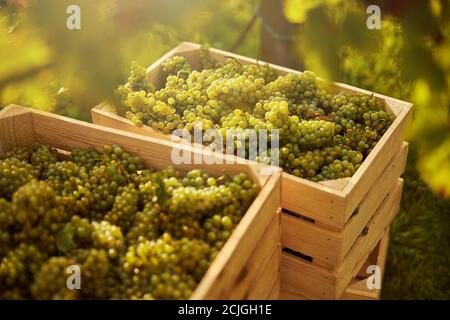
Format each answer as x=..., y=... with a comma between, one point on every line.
x=239, y=100
x=50, y=282
x=19, y=265
x=132, y=232
x=153, y=267
x=136, y=82
x=14, y=173
x=175, y=65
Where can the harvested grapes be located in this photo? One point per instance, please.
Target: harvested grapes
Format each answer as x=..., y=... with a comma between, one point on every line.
x=132, y=232
x=314, y=125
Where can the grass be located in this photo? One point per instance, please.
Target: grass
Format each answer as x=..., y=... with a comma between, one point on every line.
x=418, y=262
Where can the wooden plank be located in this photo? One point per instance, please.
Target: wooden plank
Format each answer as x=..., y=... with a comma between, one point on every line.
x=337, y=184
x=275, y=292
x=357, y=290
x=301, y=277
x=321, y=203
x=16, y=128
x=367, y=242
x=321, y=244
x=256, y=265
x=385, y=182
x=263, y=284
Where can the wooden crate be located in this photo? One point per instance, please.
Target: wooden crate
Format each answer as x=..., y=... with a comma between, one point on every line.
x=322, y=221
x=302, y=277
x=254, y=244
x=330, y=203
x=358, y=290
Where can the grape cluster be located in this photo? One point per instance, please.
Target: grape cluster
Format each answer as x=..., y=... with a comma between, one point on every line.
x=132, y=232
x=235, y=98
x=136, y=82
x=14, y=173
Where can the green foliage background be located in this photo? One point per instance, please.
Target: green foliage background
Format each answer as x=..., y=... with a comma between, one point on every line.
x=46, y=66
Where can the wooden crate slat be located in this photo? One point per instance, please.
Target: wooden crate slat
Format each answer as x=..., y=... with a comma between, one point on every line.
x=259, y=260
x=301, y=277
x=357, y=290
x=365, y=244
x=263, y=284
x=385, y=182
x=313, y=200
x=275, y=292
x=321, y=244
x=16, y=128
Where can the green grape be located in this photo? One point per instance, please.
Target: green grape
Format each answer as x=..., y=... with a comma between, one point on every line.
x=7, y=221
x=82, y=230
x=135, y=233
x=206, y=59
x=50, y=282
x=115, y=155
x=125, y=207
x=20, y=153
x=108, y=237
x=166, y=268
x=14, y=173
x=43, y=156
x=95, y=268
x=136, y=82
x=68, y=179
x=19, y=265
x=85, y=158
x=146, y=225
x=174, y=65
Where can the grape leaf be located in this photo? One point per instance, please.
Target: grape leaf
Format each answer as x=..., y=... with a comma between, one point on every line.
x=161, y=193
x=65, y=239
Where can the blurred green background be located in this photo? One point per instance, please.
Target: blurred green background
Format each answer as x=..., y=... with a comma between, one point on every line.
x=46, y=66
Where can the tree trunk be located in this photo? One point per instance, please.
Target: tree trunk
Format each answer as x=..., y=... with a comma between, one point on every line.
x=277, y=43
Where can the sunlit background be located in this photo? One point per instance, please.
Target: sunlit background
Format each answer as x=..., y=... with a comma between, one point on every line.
x=44, y=65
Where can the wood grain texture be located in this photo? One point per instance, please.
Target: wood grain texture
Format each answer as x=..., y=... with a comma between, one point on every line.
x=357, y=289
x=16, y=128
x=307, y=279
x=263, y=284
x=246, y=284
x=275, y=292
